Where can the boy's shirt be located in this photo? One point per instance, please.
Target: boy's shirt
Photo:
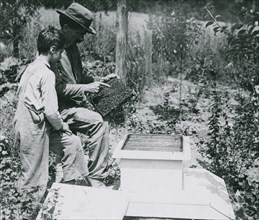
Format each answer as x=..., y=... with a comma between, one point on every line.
x=37, y=91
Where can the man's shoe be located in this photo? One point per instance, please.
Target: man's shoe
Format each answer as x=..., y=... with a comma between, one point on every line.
x=96, y=183
x=71, y=182
x=80, y=182
x=83, y=182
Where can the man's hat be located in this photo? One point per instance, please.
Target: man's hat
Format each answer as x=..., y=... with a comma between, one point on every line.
x=80, y=15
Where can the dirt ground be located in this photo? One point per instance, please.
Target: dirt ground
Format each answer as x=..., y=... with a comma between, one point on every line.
x=153, y=96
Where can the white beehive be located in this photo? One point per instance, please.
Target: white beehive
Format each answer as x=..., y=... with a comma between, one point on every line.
x=152, y=162
x=153, y=175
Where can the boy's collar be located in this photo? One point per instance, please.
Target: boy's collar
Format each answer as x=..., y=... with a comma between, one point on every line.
x=43, y=59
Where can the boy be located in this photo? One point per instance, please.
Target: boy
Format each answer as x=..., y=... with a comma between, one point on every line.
x=37, y=116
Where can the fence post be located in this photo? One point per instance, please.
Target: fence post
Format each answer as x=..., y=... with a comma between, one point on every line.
x=121, y=39
x=148, y=56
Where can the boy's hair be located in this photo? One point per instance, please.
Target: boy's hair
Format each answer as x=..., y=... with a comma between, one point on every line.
x=50, y=37
x=71, y=23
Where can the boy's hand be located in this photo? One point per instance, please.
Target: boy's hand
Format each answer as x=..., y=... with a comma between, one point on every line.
x=95, y=87
x=65, y=129
x=108, y=77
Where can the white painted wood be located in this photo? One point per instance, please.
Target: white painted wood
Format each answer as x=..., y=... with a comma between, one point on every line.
x=148, y=180
x=160, y=187
x=144, y=171
x=151, y=164
x=86, y=203
x=205, y=197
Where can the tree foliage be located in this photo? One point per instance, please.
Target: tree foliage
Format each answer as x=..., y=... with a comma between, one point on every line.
x=243, y=46
x=14, y=14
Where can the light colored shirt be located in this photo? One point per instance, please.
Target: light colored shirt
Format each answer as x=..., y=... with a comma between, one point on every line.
x=37, y=91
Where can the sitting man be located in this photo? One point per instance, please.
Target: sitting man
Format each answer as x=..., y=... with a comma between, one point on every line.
x=73, y=86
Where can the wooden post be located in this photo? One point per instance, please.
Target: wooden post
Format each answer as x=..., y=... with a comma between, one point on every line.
x=148, y=56
x=121, y=39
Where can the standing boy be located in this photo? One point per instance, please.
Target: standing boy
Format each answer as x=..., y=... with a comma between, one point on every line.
x=37, y=115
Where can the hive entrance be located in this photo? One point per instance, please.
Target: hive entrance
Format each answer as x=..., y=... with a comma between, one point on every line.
x=153, y=142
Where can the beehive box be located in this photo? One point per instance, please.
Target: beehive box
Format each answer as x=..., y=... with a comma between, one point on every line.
x=152, y=162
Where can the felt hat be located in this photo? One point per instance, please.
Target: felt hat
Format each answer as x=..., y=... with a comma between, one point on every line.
x=80, y=15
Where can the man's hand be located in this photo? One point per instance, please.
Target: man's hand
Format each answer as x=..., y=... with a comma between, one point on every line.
x=108, y=77
x=95, y=87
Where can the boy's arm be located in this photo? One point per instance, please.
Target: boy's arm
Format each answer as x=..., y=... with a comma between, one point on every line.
x=50, y=101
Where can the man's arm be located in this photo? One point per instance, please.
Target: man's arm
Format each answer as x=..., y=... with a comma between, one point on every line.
x=106, y=78
x=68, y=91
x=77, y=91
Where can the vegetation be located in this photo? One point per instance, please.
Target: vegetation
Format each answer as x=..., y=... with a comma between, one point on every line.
x=203, y=84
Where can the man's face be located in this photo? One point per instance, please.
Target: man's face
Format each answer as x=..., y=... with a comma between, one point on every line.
x=74, y=36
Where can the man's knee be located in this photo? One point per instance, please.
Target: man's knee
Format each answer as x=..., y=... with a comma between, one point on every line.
x=83, y=114
x=71, y=144
x=75, y=141
x=73, y=148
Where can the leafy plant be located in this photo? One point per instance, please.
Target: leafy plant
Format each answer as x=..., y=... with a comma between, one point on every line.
x=243, y=46
x=174, y=35
x=14, y=203
x=231, y=150
x=14, y=15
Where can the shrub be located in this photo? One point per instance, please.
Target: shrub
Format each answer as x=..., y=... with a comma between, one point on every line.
x=174, y=35
x=231, y=151
x=13, y=17
x=242, y=53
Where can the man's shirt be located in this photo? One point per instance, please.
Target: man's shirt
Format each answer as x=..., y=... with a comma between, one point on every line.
x=70, y=79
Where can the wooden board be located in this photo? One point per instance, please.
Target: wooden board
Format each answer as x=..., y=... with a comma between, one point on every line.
x=86, y=203
x=153, y=142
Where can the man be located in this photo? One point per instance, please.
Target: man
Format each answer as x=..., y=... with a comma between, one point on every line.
x=73, y=87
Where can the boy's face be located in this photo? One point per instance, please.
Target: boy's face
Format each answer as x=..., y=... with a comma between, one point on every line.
x=55, y=54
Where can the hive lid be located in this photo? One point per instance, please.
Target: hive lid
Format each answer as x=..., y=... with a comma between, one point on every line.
x=205, y=196
x=81, y=202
